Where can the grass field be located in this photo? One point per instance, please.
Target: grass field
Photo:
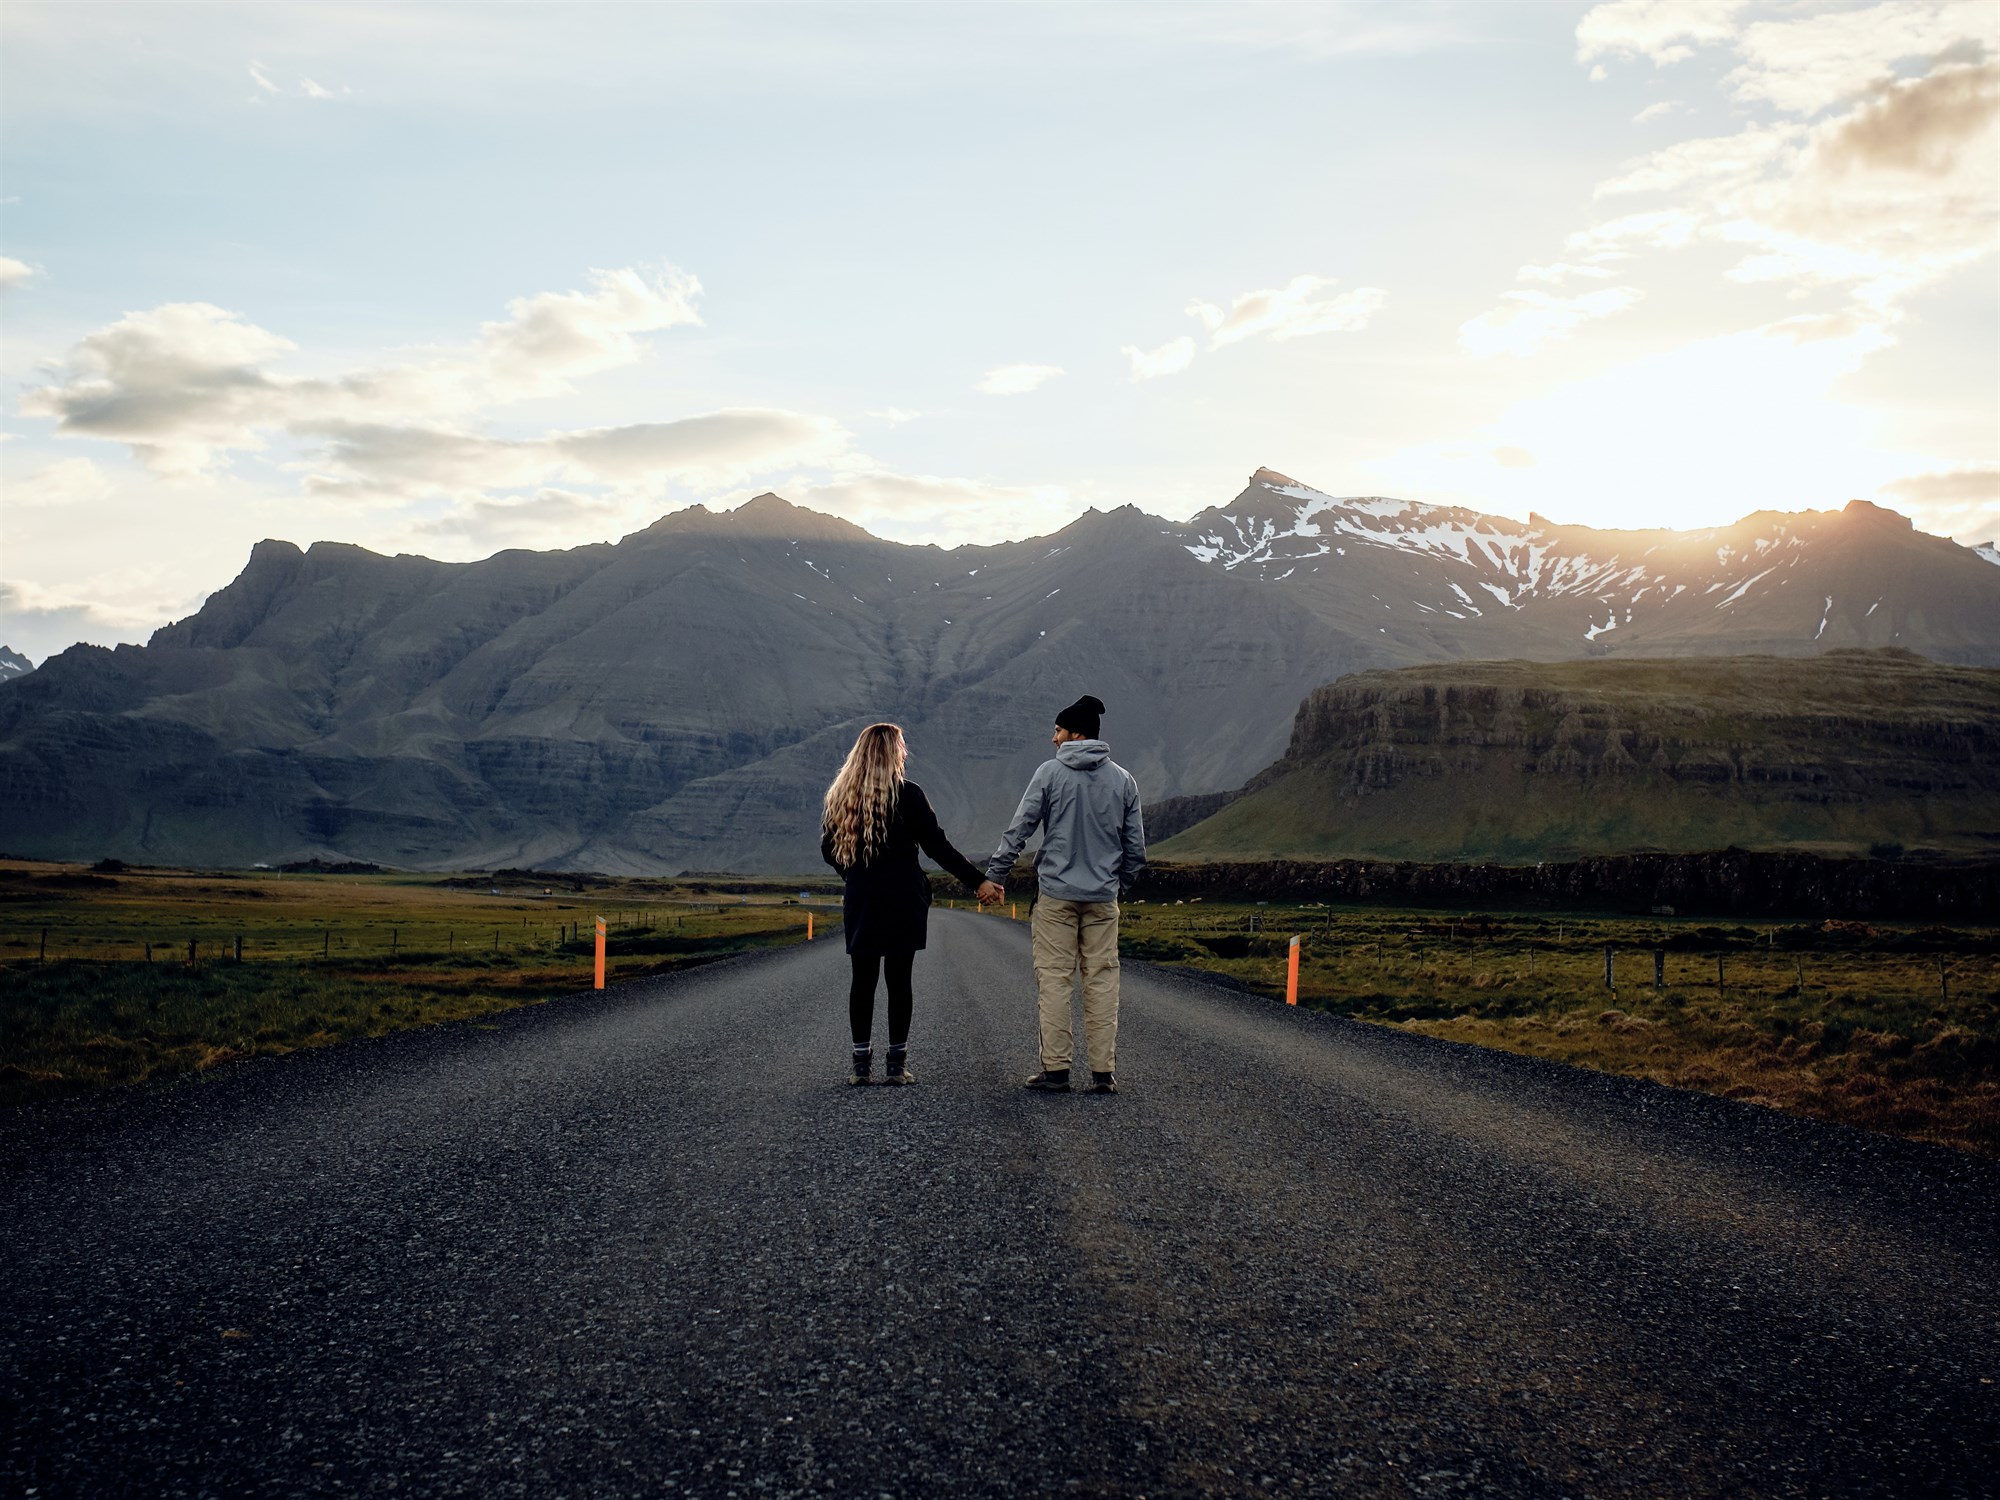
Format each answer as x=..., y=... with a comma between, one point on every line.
x=129, y=976
x=1889, y=1028
x=124, y=977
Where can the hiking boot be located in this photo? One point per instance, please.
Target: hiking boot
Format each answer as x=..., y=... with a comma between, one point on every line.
x=1104, y=1083
x=864, y=1063
x=1054, y=1080
x=897, y=1066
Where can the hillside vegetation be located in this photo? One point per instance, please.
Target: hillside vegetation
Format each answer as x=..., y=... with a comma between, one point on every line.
x=1851, y=752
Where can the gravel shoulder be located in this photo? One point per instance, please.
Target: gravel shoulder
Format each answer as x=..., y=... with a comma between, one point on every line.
x=647, y=1243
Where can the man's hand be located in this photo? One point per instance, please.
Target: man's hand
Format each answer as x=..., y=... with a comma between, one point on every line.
x=991, y=892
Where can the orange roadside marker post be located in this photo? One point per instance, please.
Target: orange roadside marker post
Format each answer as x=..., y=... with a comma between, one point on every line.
x=809, y=927
x=1013, y=911
x=600, y=953
x=1292, y=975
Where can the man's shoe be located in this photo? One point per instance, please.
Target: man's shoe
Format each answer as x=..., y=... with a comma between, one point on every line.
x=1104, y=1083
x=864, y=1062
x=1054, y=1080
x=898, y=1071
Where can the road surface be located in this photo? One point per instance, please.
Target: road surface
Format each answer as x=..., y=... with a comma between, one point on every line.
x=647, y=1243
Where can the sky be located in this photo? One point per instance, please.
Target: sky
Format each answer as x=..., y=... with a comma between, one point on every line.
x=448, y=279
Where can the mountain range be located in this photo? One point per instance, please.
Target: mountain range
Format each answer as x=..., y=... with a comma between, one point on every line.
x=679, y=699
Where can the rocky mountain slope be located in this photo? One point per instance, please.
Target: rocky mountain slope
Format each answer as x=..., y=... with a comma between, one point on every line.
x=1514, y=760
x=680, y=698
x=1438, y=583
x=13, y=664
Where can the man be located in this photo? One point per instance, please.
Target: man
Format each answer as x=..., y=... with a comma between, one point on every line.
x=1093, y=848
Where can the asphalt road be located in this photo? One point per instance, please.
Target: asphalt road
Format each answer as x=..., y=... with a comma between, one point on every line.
x=649, y=1244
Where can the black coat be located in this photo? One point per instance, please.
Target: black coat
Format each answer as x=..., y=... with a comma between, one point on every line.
x=886, y=908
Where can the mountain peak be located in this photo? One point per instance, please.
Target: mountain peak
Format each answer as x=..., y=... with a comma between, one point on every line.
x=1273, y=478
x=767, y=515
x=13, y=664
x=1877, y=515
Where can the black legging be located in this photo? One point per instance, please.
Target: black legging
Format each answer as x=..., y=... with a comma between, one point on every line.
x=861, y=995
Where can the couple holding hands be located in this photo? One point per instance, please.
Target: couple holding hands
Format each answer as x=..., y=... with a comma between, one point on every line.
x=1093, y=847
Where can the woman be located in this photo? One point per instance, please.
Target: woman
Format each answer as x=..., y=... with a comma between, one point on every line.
x=873, y=825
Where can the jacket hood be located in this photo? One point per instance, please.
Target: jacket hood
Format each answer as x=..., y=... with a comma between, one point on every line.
x=1083, y=755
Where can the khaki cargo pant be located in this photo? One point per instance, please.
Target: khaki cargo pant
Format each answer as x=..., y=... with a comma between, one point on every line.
x=1068, y=936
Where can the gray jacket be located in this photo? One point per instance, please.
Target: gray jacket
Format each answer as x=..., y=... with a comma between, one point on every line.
x=1093, y=839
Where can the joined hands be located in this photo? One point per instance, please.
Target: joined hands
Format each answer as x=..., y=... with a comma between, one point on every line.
x=991, y=893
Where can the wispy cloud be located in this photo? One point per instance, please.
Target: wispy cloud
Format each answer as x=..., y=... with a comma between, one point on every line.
x=1666, y=31
x=13, y=273
x=262, y=79
x=1526, y=322
x=1658, y=111
x=1297, y=310
x=895, y=416
x=1016, y=380
x=1169, y=359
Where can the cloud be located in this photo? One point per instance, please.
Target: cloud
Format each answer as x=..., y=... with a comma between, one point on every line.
x=1875, y=172
x=1527, y=321
x=552, y=337
x=1976, y=482
x=179, y=385
x=1920, y=125
x=262, y=79
x=40, y=622
x=318, y=91
x=186, y=384
x=895, y=416
x=548, y=518
x=1811, y=63
x=13, y=273
x=68, y=481
x=1708, y=160
x=715, y=448
x=1015, y=380
x=1658, y=111
x=1560, y=272
x=1169, y=359
x=1295, y=311
x=1667, y=31
x=1962, y=502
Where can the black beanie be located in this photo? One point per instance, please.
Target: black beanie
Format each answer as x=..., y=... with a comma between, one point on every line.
x=1081, y=717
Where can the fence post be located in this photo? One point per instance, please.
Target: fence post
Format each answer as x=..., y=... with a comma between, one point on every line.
x=325, y=941
x=1292, y=974
x=1718, y=976
x=1659, y=968
x=239, y=947
x=1607, y=970
x=43, y=956
x=1944, y=983
x=599, y=982
x=190, y=953
x=149, y=951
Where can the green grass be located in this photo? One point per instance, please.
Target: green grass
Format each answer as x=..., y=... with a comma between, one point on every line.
x=325, y=959
x=1840, y=1021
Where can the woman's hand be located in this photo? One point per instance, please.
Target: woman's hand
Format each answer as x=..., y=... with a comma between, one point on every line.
x=991, y=892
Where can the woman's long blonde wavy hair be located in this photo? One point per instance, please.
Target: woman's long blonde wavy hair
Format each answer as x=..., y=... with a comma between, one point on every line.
x=862, y=800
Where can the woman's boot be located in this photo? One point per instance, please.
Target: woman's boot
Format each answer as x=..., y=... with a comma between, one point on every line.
x=864, y=1063
x=898, y=1064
